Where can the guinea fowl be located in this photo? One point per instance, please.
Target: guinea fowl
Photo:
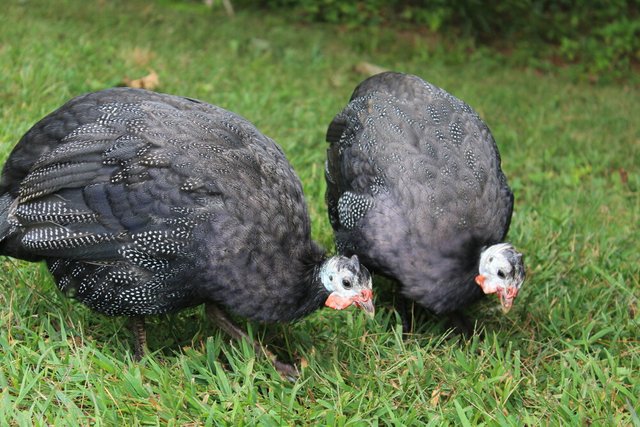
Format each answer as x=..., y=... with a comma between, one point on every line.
x=415, y=189
x=144, y=203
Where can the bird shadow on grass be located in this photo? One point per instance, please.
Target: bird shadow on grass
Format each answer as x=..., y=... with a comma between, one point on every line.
x=417, y=320
x=170, y=335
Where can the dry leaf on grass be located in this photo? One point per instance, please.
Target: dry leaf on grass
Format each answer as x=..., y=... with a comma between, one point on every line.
x=633, y=309
x=303, y=362
x=368, y=68
x=435, y=397
x=150, y=81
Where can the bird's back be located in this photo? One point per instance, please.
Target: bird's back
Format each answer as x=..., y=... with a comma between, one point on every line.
x=144, y=203
x=415, y=186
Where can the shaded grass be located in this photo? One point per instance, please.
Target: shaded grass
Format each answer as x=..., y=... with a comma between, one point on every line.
x=568, y=352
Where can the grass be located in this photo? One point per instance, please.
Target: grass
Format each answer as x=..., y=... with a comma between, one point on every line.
x=569, y=352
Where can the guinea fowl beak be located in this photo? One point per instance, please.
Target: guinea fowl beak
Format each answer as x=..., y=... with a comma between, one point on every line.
x=506, y=295
x=363, y=300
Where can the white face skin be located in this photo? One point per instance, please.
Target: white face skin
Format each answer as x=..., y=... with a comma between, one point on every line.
x=348, y=282
x=501, y=272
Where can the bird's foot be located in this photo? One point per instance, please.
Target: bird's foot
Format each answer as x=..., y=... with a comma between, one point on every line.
x=286, y=370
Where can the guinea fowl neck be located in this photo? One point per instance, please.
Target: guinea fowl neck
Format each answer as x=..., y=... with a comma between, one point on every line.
x=313, y=294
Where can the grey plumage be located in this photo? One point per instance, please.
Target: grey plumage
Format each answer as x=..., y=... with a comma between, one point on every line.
x=143, y=203
x=415, y=188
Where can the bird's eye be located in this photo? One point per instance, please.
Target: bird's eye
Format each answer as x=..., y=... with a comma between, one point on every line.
x=331, y=278
x=501, y=274
x=346, y=283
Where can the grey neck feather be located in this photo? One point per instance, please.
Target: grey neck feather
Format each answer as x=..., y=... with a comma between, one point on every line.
x=313, y=293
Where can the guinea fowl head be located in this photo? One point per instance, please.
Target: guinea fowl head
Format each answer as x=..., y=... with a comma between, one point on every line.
x=348, y=283
x=501, y=272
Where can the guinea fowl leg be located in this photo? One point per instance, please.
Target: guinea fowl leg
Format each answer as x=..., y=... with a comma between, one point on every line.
x=139, y=337
x=461, y=324
x=404, y=308
x=233, y=330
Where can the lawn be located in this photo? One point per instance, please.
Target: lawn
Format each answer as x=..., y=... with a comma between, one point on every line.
x=569, y=351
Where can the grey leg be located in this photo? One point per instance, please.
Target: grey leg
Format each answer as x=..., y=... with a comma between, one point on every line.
x=139, y=336
x=404, y=308
x=237, y=333
x=461, y=324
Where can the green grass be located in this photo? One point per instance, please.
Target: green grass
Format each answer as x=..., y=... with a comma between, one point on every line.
x=569, y=352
